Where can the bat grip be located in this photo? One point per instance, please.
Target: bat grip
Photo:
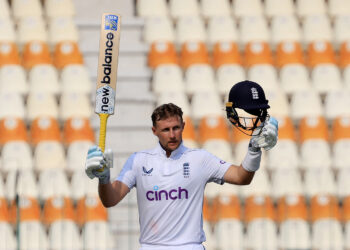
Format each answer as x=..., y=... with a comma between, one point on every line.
x=103, y=130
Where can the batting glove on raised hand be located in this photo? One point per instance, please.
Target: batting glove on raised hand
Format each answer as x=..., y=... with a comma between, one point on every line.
x=98, y=164
x=267, y=139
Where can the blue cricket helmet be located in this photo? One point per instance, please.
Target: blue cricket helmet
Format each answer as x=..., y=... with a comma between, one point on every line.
x=250, y=97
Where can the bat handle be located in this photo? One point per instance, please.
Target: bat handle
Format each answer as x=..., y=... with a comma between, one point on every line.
x=103, y=130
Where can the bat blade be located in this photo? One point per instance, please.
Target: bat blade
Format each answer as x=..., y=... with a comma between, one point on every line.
x=107, y=71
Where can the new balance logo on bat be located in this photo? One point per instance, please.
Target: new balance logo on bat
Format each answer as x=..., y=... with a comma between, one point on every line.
x=105, y=99
x=107, y=65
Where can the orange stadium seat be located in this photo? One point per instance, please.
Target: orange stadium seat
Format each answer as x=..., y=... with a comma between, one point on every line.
x=257, y=53
x=78, y=129
x=34, y=53
x=324, y=207
x=293, y=218
x=292, y=207
x=213, y=127
x=90, y=208
x=193, y=53
x=341, y=128
x=258, y=207
x=289, y=53
x=226, y=53
x=344, y=54
x=286, y=129
x=9, y=53
x=45, y=129
x=67, y=53
x=262, y=231
x=210, y=237
x=238, y=136
x=54, y=194
x=12, y=129
x=29, y=210
x=4, y=212
x=346, y=209
x=229, y=224
x=189, y=133
x=313, y=128
x=162, y=52
x=58, y=208
x=207, y=210
x=320, y=52
x=226, y=207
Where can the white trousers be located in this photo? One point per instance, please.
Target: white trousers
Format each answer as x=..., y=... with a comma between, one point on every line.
x=182, y=247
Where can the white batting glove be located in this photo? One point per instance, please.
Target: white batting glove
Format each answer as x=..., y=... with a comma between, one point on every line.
x=268, y=136
x=95, y=161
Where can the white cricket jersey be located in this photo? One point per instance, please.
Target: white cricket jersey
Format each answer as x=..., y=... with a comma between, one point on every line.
x=170, y=192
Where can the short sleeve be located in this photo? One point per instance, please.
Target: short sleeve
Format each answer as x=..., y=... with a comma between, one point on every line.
x=128, y=175
x=215, y=168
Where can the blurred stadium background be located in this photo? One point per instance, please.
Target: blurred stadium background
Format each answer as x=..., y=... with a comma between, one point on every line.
x=189, y=52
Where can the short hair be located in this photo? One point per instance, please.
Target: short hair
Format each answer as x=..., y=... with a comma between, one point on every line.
x=165, y=111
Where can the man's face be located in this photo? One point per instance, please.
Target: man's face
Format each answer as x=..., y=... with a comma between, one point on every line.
x=169, y=132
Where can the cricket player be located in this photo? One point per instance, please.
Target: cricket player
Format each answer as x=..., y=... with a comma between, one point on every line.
x=170, y=178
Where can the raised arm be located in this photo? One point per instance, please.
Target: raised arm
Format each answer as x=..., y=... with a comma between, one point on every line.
x=243, y=174
x=110, y=193
x=238, y=175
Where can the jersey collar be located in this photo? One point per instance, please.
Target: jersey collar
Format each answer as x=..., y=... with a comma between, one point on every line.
x=176, y=154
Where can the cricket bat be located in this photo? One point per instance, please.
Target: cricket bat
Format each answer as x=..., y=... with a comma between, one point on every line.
x=107, y=72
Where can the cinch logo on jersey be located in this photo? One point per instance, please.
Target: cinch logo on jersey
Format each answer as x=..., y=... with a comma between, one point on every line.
x=173, y=194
